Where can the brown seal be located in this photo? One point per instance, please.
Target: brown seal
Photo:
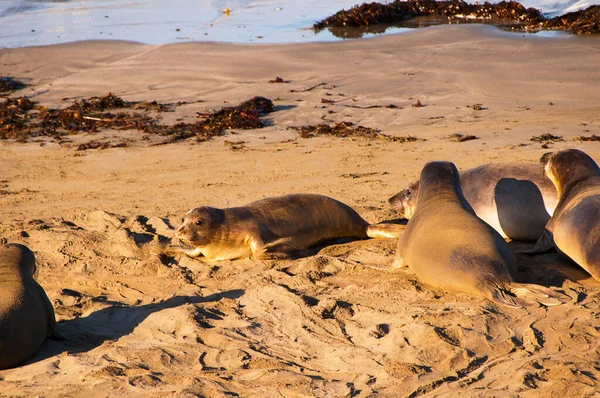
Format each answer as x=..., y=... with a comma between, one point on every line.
x=514, y=198
x=269, y=227
x=574, y=228
x=26, y=314
x=449, y=247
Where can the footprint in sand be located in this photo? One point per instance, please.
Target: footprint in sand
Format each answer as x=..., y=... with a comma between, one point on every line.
x=224, y=360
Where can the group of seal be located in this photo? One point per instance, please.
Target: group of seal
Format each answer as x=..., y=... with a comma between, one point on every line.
x=449, y=247
x=455, y=238
x=26, y=314
x=516, y=199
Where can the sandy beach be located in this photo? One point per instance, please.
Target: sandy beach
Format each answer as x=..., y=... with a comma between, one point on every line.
x=326, y=325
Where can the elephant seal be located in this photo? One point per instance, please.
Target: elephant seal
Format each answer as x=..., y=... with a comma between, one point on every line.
x=26, y=314
x=574, y=228
x=270, y=227
x=516, y=199
x=449, y=247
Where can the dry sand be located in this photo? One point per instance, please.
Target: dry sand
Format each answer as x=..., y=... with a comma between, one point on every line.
x=322, y=325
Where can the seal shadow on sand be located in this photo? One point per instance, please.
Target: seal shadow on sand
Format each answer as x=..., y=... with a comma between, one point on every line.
x=549, y=269
x=86, y=333
x=322, y=246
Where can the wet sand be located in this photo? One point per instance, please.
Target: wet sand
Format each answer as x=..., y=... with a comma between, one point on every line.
x=140, y=324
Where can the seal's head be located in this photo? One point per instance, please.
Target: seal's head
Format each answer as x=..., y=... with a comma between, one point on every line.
x=436, y=175
x=405, y=201
x=199, y=226
x=568, y=166
x=19, y=254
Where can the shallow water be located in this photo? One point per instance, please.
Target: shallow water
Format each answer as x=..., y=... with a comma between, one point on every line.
x=42, y=22
x=26, y=23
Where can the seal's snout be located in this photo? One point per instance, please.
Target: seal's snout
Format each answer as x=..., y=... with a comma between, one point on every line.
x=182, y=231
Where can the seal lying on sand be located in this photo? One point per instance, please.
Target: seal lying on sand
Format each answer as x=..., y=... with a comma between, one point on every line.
x=26, y=314
x=574, y=228
x=516, y=199
x=269, y=227
x=449, y=247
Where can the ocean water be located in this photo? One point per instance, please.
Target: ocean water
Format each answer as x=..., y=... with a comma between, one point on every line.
x=43, y=22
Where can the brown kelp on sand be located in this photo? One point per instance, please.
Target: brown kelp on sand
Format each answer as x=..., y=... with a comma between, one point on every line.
x=376, y=17
x=348, y=129
x=582, y=22
x=21, y=118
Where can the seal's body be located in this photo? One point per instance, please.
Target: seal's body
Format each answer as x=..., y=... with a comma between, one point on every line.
x=516, y=199
x=449, y=247
x=26, y=314
x=268, y=227
x=574, y=228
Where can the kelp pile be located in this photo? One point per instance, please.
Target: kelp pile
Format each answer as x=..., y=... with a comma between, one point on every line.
x=244, y=116
x=461, y=137
x=547, y=138
x=583, y=22
x=348, y=129
x=376, y=17
x=8, y=84
x=22, y=118
x=368, y=14
x=583, y=138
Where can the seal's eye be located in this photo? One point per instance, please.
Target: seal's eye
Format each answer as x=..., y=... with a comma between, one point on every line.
x=182, y=220
x=199, y=223
x=408, y=192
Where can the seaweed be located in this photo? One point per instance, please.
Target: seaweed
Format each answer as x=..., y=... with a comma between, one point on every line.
x=278, y=80
x=21, y=118
x=390, y=106
x=308, y=89
x=244, y=116
x=100, y=145
x=592, y=137
x=348, y=129
x=547, y=138
x=582, y=22
x=8, y=84
x=398, y=12
x=376, y=17
x=462, y=137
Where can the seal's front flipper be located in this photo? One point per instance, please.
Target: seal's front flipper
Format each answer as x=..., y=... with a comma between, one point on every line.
x=160, y=249
x=500, y=297
x=530, y=294
x=385, y=230
x=276, y=250
x=398, y=261
x=193, y=253
x=544, y=244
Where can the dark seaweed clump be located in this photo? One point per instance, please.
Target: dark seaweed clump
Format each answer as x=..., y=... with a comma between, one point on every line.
x=8, y=84
x=368, y=14
x=547, y=138
x=244, y=116
x=348, y=129
x=583, y=22
x=461, y=137
x=22, y=118
x=592, y=137
x=375, y=17
x=100, y=145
